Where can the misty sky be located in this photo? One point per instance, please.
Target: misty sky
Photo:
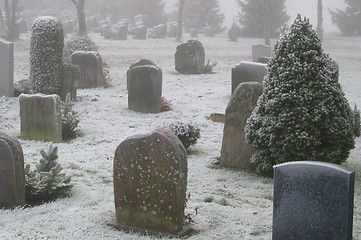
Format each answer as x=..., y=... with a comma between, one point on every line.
x=307, y=8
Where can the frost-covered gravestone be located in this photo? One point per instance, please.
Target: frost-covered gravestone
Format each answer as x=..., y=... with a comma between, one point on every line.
x=313, y=200
x=150, y=181
x=6, y=68
x=260, y=50
x=91, y=69
x=144, y=88
x=46, y=55
x=12, y=176
x=140, y=32
x=248, y=72
x=190, y=57
x=122, y=31
x=236, y=152
x=40, y=117
x=70, y=81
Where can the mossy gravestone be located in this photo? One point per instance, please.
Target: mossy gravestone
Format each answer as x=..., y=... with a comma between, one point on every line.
x=248, y=72
x=190, y=57
x=236, y=152
x=313, y=201
x=150, y=181
x=40, y=117
x=144, y=88
x=12, y=176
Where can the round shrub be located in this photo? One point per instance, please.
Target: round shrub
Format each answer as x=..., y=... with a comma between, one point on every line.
x=187, y=133
x=46, y=55
x=302, y=113
x=77, y=43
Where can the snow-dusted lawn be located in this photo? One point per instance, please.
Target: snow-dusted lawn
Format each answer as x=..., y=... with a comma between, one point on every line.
x=242, y=205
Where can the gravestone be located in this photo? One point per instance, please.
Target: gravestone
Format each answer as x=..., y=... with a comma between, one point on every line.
x=313, y=201
x=190, y=57
x=260, y=50
x=122, y=31
x=69, y=84
x=150, y=181
x=40, y=117
x=91, y=69
x=236, y=152
x=172, y=29
x=208, y=31
x=6, y=68
x=144, y=88
x=12, y=176
x=161, y=31
x=248, y=72
x=140, y=32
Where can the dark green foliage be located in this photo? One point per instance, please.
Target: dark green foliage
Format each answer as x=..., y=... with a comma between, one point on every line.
x=234, y=32
x=208, y=67
x=46, y=55
x=187, y=133
x=356, y=122
x=46, y=182
x=77, y=43
x=203, y=13
x=252, y=17
x=69, y=120
x=302, y=113
x=348, y=21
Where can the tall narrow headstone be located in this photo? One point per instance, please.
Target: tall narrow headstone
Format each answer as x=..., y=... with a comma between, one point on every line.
x=40, y=117
x=236, y=152
x=248, y=72
x=144, y=89
x=12, y=176
x=313, y=201
x=91, y=69
x=260, y=50
x=150, y=181
x=6, y=68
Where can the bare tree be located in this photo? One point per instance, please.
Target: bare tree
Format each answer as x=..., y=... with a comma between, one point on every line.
x=180, y=20
x=10, y=19
x=266, y=21
x=319, y=27
x=81, y=16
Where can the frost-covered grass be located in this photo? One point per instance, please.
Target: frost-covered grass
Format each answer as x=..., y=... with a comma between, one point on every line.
x=241, y=206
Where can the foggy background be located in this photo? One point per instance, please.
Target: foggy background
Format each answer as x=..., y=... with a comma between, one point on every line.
x=307, y=8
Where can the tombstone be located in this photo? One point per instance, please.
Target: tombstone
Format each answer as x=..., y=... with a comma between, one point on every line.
x=6, y=68
x=161, y=31
x=91, y=69
x=172, y=29
x=260, y=50
x=122, y=32
x=40, y=117
x=313, y=200
x=144, y=89
x=264, y=59
x=208, y=31
x=190, y=57
x=248, y=72
x=12, y=176
x=236, y=152
x=22, y=26
x=140, y=32
x=150, y=181
x=69, y=84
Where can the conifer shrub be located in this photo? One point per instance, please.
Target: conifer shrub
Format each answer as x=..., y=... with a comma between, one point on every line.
x=234, y=32
x=188, y=134
x=356, y=122
x=47, y=181
x=46, y=55
x=208, y=67
x=70, y=120
x=77, y=43
x=302, y=113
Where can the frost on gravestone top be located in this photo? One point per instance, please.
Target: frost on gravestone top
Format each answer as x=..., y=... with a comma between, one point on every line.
x=313, y=200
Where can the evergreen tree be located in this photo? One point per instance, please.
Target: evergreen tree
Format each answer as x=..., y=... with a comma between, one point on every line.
x=302, y=113
x=203, y=13
x=252, y=17
x=348, y=21
x=154, y=9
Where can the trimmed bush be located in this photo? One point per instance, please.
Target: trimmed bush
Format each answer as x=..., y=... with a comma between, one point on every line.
x=187, y=133
x=302, y=113
x=77, y=43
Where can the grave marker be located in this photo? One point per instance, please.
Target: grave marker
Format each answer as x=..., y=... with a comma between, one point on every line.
x=248, y=72
x=260, y=50
x=6, y=68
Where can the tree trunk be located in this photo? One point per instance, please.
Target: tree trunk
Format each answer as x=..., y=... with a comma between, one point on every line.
x=81, y=16
x=319, y=28
x=180, y=20
x=10, y=19
x=266, y=21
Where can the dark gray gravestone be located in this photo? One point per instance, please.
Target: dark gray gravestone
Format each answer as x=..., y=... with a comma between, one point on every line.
x=248, y=72
x=144, y=89
x=6, y=68
x=312, y=201
x=190, y=57
x=69, y=84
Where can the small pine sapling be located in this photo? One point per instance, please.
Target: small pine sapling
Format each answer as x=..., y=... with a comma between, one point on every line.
x=234, y=32
x=46, y=182
x=69, y=120
x=356, y=122
x=187, y=133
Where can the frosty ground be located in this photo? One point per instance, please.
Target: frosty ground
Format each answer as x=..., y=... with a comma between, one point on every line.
x=242, y=201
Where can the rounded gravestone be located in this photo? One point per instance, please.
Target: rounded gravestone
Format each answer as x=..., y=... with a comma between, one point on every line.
x=190, y=57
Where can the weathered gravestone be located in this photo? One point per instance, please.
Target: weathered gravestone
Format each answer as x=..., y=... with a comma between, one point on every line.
x=150, y=181
x=71, y=77
x=40, y=117
x=144, y=88
x=236, y=152
x=172, y=29
x=313, y=201
x=260, y=50
x=6, y=68
x=190, y=57
x=140, y=32
x=12, y=176
x=248, y=72
x=122, y=31
x=91, y=69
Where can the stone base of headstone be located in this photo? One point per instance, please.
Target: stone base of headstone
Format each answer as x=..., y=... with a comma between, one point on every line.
x=248, y=72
